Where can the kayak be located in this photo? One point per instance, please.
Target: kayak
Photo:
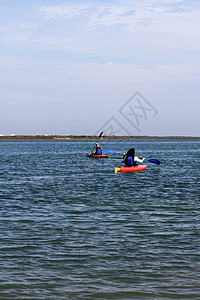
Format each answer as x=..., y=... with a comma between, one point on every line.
x=130, y=169
x=97, y=155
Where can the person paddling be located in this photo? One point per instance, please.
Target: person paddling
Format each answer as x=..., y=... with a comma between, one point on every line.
x=130, y=159
x=97, y=149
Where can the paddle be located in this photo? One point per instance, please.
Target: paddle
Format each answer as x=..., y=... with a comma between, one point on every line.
x=112, y=151
x=151, y=160
x=98, y=140
x=100, y=136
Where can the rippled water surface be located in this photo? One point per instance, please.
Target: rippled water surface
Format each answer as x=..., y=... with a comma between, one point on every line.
x=70, y=228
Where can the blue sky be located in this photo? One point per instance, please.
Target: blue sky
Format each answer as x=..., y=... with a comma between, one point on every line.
x=67, y=67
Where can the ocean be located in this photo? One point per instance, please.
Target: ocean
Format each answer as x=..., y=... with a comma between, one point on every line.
x=71, y=228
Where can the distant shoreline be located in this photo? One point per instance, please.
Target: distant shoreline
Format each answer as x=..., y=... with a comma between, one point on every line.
x=88, y=137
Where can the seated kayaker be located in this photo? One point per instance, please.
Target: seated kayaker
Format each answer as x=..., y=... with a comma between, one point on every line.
x=130, y=159
x=97, y=150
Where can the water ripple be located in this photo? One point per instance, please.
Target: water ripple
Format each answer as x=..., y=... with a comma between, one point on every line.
x=73, y=229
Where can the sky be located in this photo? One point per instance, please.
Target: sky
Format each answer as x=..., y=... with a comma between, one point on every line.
x=80, y=67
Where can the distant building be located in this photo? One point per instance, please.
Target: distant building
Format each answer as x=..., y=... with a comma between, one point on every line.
x=1, y=134
x=12, y=134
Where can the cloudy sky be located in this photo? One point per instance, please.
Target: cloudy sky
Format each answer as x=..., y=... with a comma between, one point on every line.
x=121, y=66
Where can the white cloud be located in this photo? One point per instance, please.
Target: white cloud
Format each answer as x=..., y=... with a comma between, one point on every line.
x=123, y=30
x=68, y=11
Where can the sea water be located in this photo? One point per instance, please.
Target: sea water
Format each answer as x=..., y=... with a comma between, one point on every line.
x=70, y=228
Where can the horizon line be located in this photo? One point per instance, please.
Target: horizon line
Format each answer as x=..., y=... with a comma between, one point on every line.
x=71, y=136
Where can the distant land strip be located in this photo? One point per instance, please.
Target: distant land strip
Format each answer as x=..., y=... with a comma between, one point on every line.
x=88, y=137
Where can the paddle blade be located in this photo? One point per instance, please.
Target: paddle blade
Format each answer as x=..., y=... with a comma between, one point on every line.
x=154, y=161
x=110, y=151
x=100, y=134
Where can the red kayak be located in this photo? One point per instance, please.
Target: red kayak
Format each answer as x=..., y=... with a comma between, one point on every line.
x=130, y=169
x=97, y=156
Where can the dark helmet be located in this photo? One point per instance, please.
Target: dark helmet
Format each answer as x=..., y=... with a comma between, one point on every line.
x=131, y=152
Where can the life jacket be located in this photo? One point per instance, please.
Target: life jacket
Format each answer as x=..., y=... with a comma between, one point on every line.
x=129, y=161
x=98, y=151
